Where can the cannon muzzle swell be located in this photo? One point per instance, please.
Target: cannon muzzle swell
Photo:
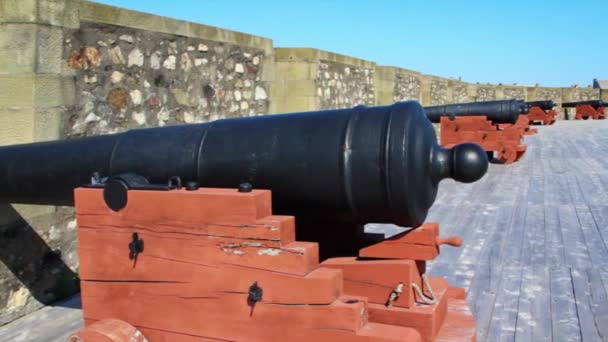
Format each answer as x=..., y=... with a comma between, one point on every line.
x=503, y=111
x=371, y=164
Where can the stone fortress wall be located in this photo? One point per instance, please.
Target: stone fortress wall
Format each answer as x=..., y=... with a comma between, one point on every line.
x=72, y=68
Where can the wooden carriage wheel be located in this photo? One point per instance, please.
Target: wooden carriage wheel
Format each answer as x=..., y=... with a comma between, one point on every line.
x=108, y=330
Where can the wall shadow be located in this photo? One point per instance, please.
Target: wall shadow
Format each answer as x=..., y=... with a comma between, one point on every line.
x=37, y=266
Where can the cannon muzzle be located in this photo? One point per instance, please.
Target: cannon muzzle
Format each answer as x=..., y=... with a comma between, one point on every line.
x=503, y=111
x=372, y=164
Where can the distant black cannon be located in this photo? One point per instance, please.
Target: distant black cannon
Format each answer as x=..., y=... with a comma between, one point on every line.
x=503, y=111
x=592, y=103
x=591, y=109
x=543, y=104
x=375, y=164
x=542, y=112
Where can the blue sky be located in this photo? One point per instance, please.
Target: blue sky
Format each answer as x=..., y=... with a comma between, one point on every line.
x=554, y=43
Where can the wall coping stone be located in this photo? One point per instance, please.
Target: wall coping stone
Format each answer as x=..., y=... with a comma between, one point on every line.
x=386, y=72
x=99, y=13
x=290, y=54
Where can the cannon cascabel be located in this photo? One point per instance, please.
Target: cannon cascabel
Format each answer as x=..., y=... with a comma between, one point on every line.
x=370, y=164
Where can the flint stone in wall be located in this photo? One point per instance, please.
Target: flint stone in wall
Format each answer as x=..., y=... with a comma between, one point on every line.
x=84, y=58
x=116, y=56
x=344, y=86
x=136, y=58
x=146, y=79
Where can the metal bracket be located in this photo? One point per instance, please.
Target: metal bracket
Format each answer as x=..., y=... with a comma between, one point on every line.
x=136, y=246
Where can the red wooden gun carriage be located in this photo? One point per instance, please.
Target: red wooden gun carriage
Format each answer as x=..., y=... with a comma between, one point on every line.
x=251, y=229
x=497, y=126
x=592, y=109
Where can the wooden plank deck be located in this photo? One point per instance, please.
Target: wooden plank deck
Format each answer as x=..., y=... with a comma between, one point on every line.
x=535, y=259
x=536, y=270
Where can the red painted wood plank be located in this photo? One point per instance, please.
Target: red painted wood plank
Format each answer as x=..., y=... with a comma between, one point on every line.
x=206, y=205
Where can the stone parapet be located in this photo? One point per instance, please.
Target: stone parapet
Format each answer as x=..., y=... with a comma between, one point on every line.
x=310, y=79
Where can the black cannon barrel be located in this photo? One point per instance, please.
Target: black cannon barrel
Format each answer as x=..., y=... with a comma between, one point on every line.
x=593, y=103
x=543, y=104
x=373, y=164
x=502, y=111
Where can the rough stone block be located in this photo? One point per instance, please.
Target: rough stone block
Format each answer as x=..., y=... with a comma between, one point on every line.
x=384, y=90
x=24, y=125
x=383, y=97
x=64, y=13
x=31, y=48
x=296, y=55
x=472, y=91
x=19, y=11
x=531, y=93
x=36, y=90
x=99, y=13
x=16, y=126
x=301, y=88
x=50, y=50
x=47, y=124
x=385, y=73
x=315, y=56
x=384, y=85
x=295, y=71
x=292, y=104
x=18, y=47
